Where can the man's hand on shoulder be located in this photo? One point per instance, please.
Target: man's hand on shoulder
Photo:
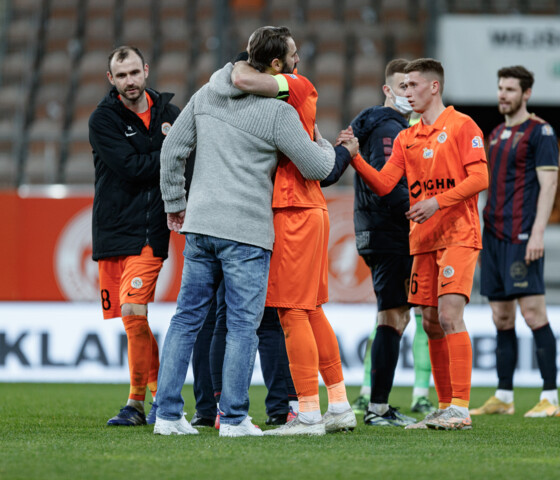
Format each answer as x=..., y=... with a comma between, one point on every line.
x=175, y=221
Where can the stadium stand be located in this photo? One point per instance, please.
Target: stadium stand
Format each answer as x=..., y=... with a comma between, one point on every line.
x=53, y=61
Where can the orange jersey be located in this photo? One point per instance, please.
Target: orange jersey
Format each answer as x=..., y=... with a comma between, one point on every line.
x=433, y=158
x=290, y=188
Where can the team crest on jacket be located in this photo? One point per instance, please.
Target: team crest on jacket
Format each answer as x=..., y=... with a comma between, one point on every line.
x=477, y=142
x=428, y=153
x=165, y=127
x=442, y=137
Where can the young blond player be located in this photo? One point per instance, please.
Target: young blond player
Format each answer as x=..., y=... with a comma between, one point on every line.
x=444, y=161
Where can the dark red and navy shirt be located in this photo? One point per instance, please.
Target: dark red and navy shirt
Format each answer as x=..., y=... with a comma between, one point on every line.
x=514, y=156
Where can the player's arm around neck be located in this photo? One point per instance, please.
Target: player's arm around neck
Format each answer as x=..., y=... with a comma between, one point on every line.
x=248, y=79
x=548, y=180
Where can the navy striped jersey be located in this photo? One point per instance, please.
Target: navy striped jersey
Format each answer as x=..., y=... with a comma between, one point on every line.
x=514, y=155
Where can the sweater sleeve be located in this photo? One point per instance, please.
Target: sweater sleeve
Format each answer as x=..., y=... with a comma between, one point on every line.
x=176, y=149
x=314, y=160
x=381, y=182
x=476, y=181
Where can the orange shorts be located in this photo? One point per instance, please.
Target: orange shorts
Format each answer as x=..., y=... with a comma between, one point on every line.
x=128, y=279
x=449, y=270
x=299, y=265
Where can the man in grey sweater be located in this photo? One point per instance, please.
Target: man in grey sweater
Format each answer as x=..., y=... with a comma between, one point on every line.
x=229, y=232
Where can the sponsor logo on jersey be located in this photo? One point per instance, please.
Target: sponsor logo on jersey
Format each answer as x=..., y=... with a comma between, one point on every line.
x=442, y=137
x=547, y=130
x=428, y=153
x=165, y=127
x=427, y=186
x=477, y=142
x=505, y=134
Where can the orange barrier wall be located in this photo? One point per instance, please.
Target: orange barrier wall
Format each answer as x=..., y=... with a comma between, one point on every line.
x=45, y=250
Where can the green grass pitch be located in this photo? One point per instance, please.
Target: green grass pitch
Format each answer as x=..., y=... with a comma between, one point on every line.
x=57, y=431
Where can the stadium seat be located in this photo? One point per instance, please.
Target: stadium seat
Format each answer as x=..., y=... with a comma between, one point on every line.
x=7, y=170
x=59, y=32
x=138, y=32
x=363, y=97
x=173, y=67
x=175, y=34
x=56, y=67
x=15, y=67
x=98, y=35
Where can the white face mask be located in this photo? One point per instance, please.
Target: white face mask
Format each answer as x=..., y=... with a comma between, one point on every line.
x=401, y=104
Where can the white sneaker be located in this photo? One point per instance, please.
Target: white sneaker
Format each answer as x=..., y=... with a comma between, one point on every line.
x=338, y=422
x=174, y=427
x=244, y=429
x=297, y=427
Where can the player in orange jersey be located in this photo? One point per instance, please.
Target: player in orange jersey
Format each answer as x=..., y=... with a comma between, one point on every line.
x=298, y=278
x=444, y=162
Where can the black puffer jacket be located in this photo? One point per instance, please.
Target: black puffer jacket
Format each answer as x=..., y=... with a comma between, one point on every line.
x=127, y=208
x=380, y=222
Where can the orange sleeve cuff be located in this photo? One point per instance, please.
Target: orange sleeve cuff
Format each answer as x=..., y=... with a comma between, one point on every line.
x=476, y=181
x=380, y=182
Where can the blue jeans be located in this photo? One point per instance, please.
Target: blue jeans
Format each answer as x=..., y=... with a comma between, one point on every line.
x=204, y=365
x=274, y=362
x=244, y=270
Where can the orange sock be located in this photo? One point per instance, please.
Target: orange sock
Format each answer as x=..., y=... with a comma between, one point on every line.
x=460, y=367
x=302, y=351
x=330, y=365
x=154, y=367
x=439, y=356
x=139, y=354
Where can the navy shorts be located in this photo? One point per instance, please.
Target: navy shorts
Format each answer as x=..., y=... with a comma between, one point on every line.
x=391, y=279
x=504, y=275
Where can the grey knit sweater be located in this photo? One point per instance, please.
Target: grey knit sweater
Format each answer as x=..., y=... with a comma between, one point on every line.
x=237, y=137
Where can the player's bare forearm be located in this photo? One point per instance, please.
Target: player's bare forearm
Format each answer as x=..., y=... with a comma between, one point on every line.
x=548, y=180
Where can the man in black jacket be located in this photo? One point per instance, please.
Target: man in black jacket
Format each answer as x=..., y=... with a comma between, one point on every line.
x=130, y=234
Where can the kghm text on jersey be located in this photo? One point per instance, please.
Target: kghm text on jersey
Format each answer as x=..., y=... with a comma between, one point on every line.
x=433, y=184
